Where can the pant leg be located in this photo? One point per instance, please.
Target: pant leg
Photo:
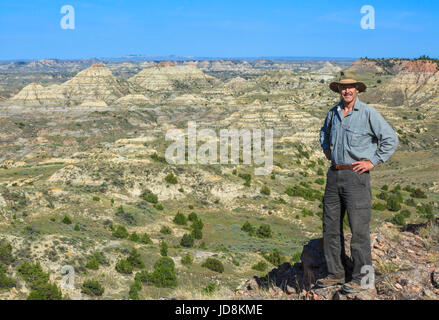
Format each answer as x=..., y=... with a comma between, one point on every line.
x=333, y=213
x=357, y=195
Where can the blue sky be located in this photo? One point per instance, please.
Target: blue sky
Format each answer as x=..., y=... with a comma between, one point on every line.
x=211, y=28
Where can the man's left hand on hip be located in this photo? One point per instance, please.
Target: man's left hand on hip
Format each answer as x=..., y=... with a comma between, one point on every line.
x=362, y=166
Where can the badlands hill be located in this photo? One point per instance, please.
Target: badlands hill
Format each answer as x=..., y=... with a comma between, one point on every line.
x=168, y=77
x=93, y=84
x=413, y=83
x=97, y=84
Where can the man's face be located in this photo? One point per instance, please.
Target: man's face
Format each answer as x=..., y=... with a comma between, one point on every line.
x=348, y=92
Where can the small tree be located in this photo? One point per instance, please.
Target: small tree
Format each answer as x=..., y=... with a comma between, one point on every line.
x=213, y=264
x=145, y=239
x=67, y=220
x=120, y=232
x=92, y=288
x=170, y=178
x=187, y=241
x=180, y=219
x=134, y=237
x=163, y=248
x=264, y=231
x=135, y=260
x=187, y=259
x=123, y=266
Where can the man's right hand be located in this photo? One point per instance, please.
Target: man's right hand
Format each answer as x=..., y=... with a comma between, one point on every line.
x=327, y=153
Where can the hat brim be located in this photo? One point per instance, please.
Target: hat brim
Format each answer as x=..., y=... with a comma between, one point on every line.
x=360, y=86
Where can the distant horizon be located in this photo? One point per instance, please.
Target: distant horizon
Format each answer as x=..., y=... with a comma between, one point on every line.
x=190, y=58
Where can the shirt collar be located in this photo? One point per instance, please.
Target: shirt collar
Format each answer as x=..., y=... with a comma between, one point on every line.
x=356, y=105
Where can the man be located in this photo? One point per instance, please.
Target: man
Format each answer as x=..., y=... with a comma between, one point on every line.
x=349, y=139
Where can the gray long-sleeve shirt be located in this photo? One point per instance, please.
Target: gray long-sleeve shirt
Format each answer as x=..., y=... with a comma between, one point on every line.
x=355, y=137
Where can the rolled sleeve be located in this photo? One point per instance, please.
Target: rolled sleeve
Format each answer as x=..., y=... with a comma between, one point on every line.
x=385, y=135
x=325, y=132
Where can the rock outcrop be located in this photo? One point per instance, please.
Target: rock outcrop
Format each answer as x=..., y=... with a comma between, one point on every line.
x=406, y=267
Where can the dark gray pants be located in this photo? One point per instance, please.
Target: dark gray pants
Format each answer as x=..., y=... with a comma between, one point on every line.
x=346, y=189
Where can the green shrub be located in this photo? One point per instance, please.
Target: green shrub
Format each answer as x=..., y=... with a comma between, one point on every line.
x=149, y=196
x=306, y=212
x=93, y=264
x=320, y=172
x=158, y=206
x=187, y=241
x=33, y=274
x=418, y=193
x=120, y=232
x=398, y=219
x=426, y=211
x=410, y=202
x=197, y=224
x=163, y=248
x=92, y=288
x=135, y=287
x=303, y=192
x=6, y=256
x=38, y=281
x=197, y=234
x=187, y=259
x=264, y=231
x=210, y=288
x=5, y=281
x=163, y=275
x=170, y=178
x=385, y=187
x=135, y=260
x=95, y=198
x=296, y=257
x=275, y=257
x=265, y=190
x=126, y=216
x=393, y=204
x=180, y=219
x=405, y=213
x=145, y=239
x=213, y=264
x=45, y=291
x=158, y=158
x=247, y=177
x=379, y=206
x=383, y=195
x=123, y=266
x=76, y=228
x=247, y=227
x=192, y=217
x=320, y=181
x=166, y=230
x=134, y=237
x=260, y=266
x=67, y=220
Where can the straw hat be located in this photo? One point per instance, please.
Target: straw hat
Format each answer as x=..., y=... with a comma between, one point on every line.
x=347, y=78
